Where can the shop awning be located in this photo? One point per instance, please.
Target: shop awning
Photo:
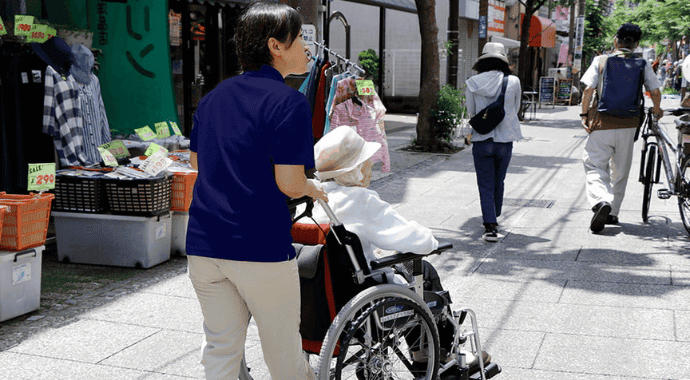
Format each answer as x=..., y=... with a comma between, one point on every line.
x=507, y=42
x=542, y=32
x=398, y=5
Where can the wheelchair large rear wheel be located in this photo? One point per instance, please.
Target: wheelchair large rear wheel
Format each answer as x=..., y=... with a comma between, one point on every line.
x=385, y=332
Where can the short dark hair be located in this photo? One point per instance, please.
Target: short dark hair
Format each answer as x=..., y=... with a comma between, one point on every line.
x=629, y=33
x=260, y=22
x=490, y=64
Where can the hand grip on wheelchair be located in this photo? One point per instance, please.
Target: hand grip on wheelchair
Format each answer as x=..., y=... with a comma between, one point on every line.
x=398, y=258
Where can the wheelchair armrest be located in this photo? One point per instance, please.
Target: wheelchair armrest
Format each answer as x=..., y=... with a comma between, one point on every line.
x=398, y=258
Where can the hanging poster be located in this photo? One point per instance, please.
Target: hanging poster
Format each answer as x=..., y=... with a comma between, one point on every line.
x=547, y=89
x=175, y=21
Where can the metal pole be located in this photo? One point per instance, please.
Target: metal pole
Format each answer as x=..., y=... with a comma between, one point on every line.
x=382, y=47
x=453, y=26
x=483, y=18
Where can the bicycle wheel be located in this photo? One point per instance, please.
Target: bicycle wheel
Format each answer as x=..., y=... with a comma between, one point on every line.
x=684, y=193
x=648, y=181
x=385, y=332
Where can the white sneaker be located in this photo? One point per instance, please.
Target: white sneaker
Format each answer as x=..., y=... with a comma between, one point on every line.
x=490, y=235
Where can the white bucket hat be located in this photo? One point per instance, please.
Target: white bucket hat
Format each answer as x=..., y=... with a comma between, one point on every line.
x=494, y=50
x=340, y=151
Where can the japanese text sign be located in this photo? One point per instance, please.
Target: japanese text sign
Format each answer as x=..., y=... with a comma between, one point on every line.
x=175, y=128
x=41, y=177
x=117, y=148
x=108, y=157
x=162, y=130
x=365, y=87
x=2, y=28
x=145, y=133
x=156, y=163
x=22, y=25
x=154, y=148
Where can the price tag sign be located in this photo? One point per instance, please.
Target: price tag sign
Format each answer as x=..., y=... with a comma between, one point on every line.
x=22, y=25
x=175, y=128
x=162, y=130
x=2, y=27
x=108, y=157
x=156, y=163
x=365, y=87
x=41, y=177
x=117, y=148
x=145, y=133
x=39, y=34
x=153, y=148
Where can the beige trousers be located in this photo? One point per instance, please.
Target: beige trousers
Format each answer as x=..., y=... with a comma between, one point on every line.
x=607, y=158
x=228, y=292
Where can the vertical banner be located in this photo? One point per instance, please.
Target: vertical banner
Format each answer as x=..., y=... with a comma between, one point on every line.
x=579, y=40
x=135, y=72
x=482, y=26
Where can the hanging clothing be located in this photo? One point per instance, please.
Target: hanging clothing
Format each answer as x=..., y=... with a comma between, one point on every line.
x=331, y=99
x=95, y=121
x=319, y=114
x=62, y=119
x=367, y=119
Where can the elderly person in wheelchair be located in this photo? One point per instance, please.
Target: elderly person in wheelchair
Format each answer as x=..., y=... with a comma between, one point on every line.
x=344, y=166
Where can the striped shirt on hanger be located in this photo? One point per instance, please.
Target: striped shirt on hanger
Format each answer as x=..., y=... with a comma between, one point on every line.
x=96, y=128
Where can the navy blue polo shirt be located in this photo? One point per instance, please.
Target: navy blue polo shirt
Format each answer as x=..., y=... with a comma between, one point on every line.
x=242, y=128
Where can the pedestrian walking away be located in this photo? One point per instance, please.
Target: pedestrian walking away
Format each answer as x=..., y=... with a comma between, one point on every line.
x=492, y=151
x=251, y=143
x=611, y=113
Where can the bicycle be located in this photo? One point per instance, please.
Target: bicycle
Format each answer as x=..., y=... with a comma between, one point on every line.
x=656, y=152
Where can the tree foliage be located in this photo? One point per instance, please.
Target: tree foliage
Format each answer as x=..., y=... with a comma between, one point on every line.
x=658, y=19
x=597, y=31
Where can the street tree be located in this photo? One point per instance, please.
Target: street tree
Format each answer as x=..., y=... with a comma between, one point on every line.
x=658, y=19
x=430, y=75
x=597, y=31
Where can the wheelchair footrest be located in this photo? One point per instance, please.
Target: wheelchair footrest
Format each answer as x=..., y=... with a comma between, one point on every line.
x=490, y=371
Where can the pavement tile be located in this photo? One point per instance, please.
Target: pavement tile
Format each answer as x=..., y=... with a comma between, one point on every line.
x=178, y=286
x=680, y=275
x=586, y=320
x=627, y=295
x=682, y=327
x=579, y=271
x=85, y=340
x=511, y=347
x=646, y=359
x=15, y=366
x=153, y=310
x=515, y=373
x=487, y=288
x=167, y=351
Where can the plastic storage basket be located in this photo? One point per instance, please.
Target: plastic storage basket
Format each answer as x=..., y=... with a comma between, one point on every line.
x=182, y=190
x=3, y=210
x=80, y=194
x=25, y=224
x=139, y=197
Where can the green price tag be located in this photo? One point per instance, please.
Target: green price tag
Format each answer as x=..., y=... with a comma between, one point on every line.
x=145, y=133
x=41, y=177
x=39, y=34
x=153, y=148
x=175, y=128
x=50, y=32
x=108, y=157
x=2, y=27
x=117, y=148
x=162, y=130
x=365, y=87
x=22, y=25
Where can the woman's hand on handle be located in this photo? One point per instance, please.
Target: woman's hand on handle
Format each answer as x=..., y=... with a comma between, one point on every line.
x=317, y=192
x=293, y=183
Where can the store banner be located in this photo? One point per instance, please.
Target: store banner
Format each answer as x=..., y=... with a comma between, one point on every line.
x=579, y=39
x=135, y=71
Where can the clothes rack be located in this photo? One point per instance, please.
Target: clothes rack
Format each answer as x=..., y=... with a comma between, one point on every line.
x=340, y=57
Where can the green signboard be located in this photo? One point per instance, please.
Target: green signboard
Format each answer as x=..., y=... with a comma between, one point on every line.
x=135, y=73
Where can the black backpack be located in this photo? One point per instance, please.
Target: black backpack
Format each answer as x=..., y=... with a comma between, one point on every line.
x=487, y=119
x=621, y=90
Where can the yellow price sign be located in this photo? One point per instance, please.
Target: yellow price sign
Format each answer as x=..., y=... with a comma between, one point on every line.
x=117, y=148
x=153, y=148
x=175, y=128
x=41, y=177
x=2, y=27
x=146, y=133
x=162, y=130
x=365, y=87
x=108, y=157
x=22, y=25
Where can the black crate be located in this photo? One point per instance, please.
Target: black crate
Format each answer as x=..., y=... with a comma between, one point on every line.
x=79, y=194
x=141, y=197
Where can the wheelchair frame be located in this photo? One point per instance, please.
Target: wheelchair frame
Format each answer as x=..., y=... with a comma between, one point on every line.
x=364, y=316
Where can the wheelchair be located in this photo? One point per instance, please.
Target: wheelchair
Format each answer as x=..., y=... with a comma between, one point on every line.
x=357, y=323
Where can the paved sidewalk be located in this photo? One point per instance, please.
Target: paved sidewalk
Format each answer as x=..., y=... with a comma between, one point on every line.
x=553, y=300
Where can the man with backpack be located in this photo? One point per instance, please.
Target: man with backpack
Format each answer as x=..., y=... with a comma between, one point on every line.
x=612, y=110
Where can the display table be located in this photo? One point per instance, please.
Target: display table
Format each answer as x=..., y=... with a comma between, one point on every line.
x=20, y=282
x=117, y=240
